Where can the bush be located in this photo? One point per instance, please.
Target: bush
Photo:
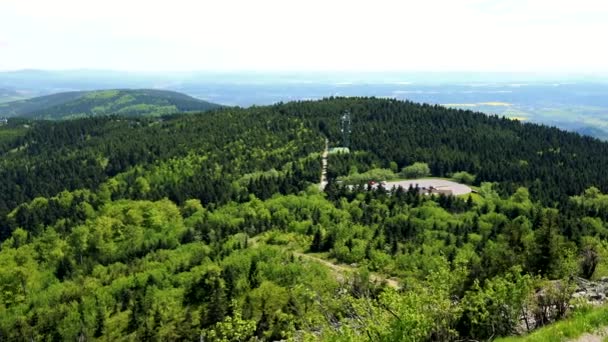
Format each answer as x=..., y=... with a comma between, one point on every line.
x=377, y=175
x=463, y=177
x=416, y=170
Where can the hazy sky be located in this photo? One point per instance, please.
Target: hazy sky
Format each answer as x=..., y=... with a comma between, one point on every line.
x=421, y=35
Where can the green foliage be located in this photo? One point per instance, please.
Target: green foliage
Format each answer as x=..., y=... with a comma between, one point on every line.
x=583, y=321
x=496, y=308
x=424, y=313
x=101, y=94
x=153, y=270
x=232, y=329
x=192, y=227
x=416, y=170
x=592, y=200
x=376, y=175
x=463, y=177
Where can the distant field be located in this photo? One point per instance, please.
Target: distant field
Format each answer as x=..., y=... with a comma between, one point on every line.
x=8, y=99
x=589, y=120
x=5, y=99
x=8, y=133
x=480, y=104
x=577, y=104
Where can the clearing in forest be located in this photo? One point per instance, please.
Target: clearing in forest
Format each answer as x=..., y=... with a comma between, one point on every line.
x=437, y=184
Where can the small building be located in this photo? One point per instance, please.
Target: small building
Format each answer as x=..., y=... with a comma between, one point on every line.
x=435, y=191
x=3, y=121
x=446, y=192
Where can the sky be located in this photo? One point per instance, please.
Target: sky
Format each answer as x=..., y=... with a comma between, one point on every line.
x=310, y=35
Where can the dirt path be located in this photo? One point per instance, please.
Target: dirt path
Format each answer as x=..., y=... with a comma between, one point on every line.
x=597, y=336
x=323, y=183
x=341, y=270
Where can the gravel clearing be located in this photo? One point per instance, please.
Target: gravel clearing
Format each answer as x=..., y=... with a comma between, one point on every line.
x=439, y=184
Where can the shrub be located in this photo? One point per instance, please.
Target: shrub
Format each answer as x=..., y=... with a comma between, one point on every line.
x=416, y=170
x=463, y=177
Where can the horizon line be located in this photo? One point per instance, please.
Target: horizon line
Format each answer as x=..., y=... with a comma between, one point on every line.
x=314, y=71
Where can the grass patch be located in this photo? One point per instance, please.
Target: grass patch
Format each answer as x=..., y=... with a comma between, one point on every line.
x=477, y=199
x=102, y=94
x=581, y=322
x=426, y=177
x=8, y=133
x=518, y=118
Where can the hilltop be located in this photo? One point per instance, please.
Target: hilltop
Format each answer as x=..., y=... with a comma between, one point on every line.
x=70, y=105
x=212, y=225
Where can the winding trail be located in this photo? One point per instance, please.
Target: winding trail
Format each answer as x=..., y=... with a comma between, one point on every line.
x=323, y=183
x=341, y=270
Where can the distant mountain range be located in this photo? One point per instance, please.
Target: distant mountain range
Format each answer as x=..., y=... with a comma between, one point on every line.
x=577, y=103
x=76, y=104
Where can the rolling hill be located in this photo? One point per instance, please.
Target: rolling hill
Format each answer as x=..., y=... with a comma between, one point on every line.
x=70, y=105
x=212, y=226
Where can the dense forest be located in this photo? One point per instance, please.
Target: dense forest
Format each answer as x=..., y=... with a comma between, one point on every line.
x=211, y=226
x=125, y=102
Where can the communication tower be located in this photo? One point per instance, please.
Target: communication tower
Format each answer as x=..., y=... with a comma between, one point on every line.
x=345, y=128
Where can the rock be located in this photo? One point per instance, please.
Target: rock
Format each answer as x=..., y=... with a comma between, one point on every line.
x=597, y=296
x=579, y=294
x=594, y=292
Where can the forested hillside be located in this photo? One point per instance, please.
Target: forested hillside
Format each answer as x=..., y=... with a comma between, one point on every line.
x=211, y=227
x=124, y=102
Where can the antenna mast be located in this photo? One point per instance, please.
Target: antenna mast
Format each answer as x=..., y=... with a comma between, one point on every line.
x=345, y=128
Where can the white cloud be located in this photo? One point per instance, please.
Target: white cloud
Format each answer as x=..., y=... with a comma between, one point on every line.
x=483, y=35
